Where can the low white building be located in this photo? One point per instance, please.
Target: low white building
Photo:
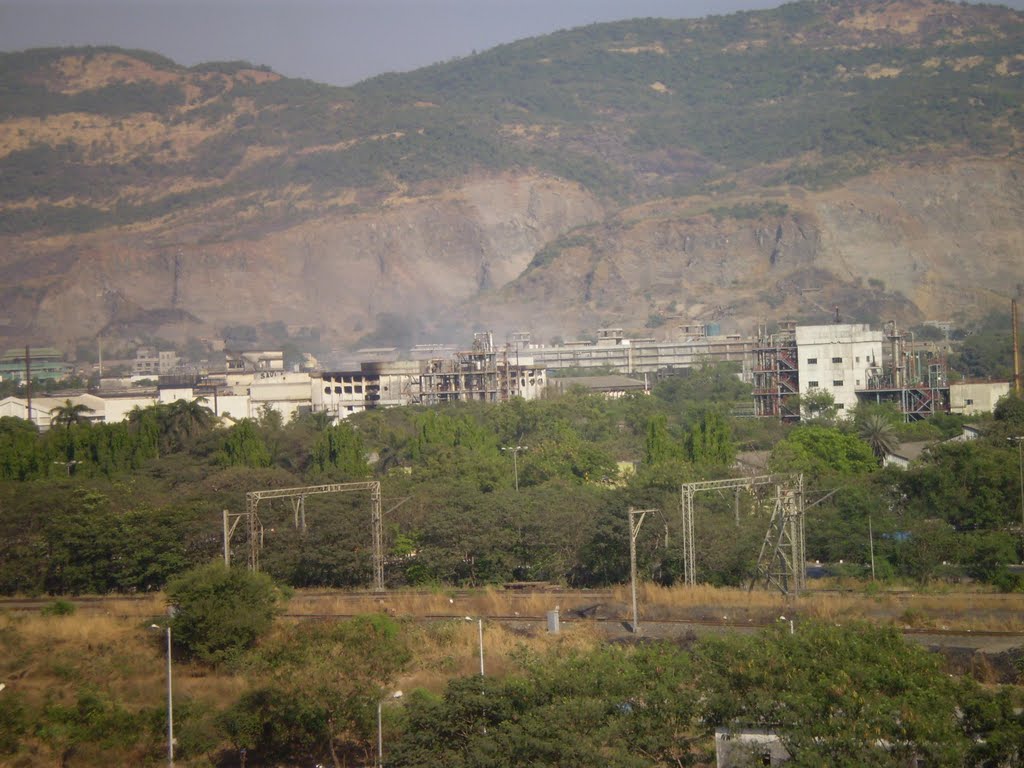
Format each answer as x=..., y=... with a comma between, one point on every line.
x=42, y=408
x=969, y=398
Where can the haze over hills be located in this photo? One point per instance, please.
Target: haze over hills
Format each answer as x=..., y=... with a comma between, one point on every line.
x=755, y=166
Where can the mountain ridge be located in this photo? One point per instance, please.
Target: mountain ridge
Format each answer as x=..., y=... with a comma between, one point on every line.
x=493, y=190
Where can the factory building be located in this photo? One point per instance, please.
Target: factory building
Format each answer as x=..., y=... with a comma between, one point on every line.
x=852, y=363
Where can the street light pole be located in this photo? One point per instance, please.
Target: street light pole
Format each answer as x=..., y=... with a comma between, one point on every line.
x=480, y=627
x=170, y=699
x=380, y=734
x=380, y=727
x=515, y=460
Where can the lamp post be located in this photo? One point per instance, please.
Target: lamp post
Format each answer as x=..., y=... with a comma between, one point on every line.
x=515, y=459
x=1019, y=440
x=380, y=727
x=170, y=698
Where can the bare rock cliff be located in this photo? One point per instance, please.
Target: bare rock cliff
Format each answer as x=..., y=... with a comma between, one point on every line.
x=335, y=271
x=911, y=242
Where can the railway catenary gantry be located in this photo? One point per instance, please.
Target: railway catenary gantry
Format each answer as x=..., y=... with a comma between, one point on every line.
x=254, y=526
x=781, y=560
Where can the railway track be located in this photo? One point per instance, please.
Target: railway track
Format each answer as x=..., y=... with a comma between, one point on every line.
x=127, y=606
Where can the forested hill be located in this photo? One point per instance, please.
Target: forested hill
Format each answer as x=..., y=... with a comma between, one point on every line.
x=418, y=191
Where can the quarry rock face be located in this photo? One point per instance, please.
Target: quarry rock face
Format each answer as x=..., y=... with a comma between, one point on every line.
x=910, y=243
x=334, y=271
x=907, y=242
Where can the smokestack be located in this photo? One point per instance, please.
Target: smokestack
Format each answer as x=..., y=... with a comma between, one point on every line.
x=1016, y=347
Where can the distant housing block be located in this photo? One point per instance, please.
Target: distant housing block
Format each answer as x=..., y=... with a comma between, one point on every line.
x=46, y=364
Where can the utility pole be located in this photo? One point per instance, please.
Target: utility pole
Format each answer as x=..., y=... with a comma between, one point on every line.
x=1019, y=440
x=871, y=544
x=1018, y=385
x=636, y=519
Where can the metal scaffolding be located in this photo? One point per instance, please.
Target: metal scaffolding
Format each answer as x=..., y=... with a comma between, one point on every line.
x=786, y=527
x=254, y=526
x=776, y=373
x=481, y=373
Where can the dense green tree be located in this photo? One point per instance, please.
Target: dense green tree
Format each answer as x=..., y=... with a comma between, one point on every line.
x=818, y=450
x=985, y=354
x=219, y=611
x=320, y=683
x=971, y=485
x=709, y=443
x=816, y=406
x=338, y=451
x=924, y=548
x=1009, y=411
x=613, y=707
x=20, y=450
x=701, y=385
x=659, y=445
x=182, y=421
x=854, y=695
x=243, y=447
x=563, y=453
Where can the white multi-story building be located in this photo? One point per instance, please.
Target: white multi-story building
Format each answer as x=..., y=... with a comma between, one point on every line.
x=839, y=359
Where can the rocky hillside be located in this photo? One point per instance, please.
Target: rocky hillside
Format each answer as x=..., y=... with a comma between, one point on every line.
x=739, y=169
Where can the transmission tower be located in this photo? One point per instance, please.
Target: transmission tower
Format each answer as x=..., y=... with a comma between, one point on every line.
x=782, y=560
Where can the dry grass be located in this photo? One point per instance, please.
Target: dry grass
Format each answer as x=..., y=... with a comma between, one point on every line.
x=482, y=602
x=978, y=611
x=975, y=611
x=451, y=648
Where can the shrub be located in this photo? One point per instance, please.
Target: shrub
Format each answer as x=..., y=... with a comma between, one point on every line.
x=220, y=611
x=59, y=608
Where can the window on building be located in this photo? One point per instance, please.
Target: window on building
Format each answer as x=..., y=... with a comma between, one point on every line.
x=840, y=406
x=348, y=389
x=857, y=359
x=327, y=390
x=837, y=382
x=812, y=385
x=837, y=359
x=337, y=390
x=359, y=389
x=858, y=382
x=968, y=401
x=812, y=361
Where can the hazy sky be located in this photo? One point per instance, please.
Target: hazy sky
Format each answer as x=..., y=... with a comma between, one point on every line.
x=332, y=41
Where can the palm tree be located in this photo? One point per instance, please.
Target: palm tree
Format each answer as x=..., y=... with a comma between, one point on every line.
x=70, y=414
x=183, y=420
x=878, y=432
